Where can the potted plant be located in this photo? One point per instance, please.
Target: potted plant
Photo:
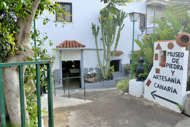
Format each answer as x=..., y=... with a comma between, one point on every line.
x=128, y=69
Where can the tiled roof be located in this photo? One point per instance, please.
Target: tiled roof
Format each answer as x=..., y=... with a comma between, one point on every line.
x=117, y=52
x=70, y=44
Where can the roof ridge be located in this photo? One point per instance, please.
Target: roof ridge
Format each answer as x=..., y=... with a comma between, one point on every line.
x=70, y=44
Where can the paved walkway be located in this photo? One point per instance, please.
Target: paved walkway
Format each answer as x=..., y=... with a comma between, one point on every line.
x=109, y=109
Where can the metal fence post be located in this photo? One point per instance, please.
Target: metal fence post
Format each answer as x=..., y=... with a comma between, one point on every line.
x=84, y=90
x=38, y=94
x=50, y=97
x=22, y=107
x=63, y=80
x=68, y=88
x=2, y=101
x=54, y=88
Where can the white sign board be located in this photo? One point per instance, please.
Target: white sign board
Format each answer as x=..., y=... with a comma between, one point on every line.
x=166, y=82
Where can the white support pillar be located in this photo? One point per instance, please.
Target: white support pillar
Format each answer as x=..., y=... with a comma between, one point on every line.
x=82, y=69
x=60, y=66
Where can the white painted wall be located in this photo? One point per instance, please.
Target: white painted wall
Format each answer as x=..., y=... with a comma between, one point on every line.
x=71, y=55
x=84, y=13
x=91, y=59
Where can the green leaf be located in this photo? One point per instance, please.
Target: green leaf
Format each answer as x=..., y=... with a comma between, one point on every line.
x=124, y=4
x=164, y=34
x=26, y=2
x=59, y=56
x=139, y=43
x=50, y=43
x=149, y=55
x=162, y=24
x=154, y=38
x=1, y=4
x=173, y=20
x=55, y=49
x=18, y=6
x=188, y=25
x=158, y=30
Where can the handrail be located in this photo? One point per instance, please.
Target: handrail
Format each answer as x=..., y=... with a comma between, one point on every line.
x=73, y=77
x=23, y=63
x=21, y=83
x=73, y=88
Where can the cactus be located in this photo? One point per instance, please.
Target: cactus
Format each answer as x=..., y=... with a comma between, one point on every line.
x=110, y=19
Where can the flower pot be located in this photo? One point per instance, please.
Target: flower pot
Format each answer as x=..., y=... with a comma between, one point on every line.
x=163, y=62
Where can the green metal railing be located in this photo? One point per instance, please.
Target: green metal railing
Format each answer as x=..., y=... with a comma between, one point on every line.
x=68, y=85
x=21, y=82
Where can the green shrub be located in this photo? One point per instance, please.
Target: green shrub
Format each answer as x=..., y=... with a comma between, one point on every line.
x=123, y=85
x=109, y=75
x=128, y=67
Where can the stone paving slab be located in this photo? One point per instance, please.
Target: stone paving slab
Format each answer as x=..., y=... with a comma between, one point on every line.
x=61, y=102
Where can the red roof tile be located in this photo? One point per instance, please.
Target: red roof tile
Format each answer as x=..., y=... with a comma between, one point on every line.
x=117, y=52
x=70, y=44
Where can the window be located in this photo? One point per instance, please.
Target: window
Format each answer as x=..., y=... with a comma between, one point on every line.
x=142, y=22
x=67, y=8
x=115, y=63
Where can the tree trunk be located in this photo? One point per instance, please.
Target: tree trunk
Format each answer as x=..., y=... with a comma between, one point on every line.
x=107, y=68
x=11, y=75
x=12, y=96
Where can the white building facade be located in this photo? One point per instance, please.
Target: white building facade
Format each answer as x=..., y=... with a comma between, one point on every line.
x=78, y=43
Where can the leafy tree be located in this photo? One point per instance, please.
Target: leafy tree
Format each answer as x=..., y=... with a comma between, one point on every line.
x=166, y=30
x=146, y=51
x=30, y=79
x=180, y=9
x=177, y=20
x=110, y=19
x=178, y=6
x=16, y=18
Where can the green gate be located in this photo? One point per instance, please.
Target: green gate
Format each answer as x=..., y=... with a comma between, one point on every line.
x=21, y=82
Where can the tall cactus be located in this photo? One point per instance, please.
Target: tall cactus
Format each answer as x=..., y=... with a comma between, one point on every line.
x=110, y=19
